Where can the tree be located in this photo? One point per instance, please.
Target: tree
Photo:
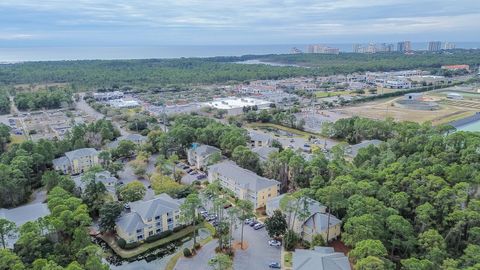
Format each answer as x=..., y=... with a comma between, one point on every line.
x=366, y=248
x=417, y=264
x=245, y=158
x=221, y=262
x=402, y=235
x=132, y=191
x=125, y=149
x=7, y=229
x=370, y=263
x=109, y=212
x=245, y=208
x=188, y=212
x=10, y=261
x=360, y=228
x=94, y=194
x=276, y=225
x=317, y=241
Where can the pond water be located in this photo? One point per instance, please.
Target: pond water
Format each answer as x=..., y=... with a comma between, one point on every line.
x=152, y=260
x=473, y=126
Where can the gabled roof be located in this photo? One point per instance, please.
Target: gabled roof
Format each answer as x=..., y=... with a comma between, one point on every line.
x=241, y=176
x=264, y=151
x=141, y=211
x=82, y=152
x=205, y=150
x=313, y=206
x=257, y=136
x=130, y=137
x=353, y=149
x=61, y=161
x=319, y=221
x=321, y=258
x=22, y=214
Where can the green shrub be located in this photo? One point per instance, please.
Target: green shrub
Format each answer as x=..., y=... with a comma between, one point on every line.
x=187, y=252
x=153, y=238
x=131, y=245
x=121, y=242
x=179, y=228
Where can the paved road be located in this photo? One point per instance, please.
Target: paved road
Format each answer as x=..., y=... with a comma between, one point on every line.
x=199, y=261
x=258, y=254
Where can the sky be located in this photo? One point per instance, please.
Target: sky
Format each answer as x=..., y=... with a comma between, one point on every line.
x=233, y=22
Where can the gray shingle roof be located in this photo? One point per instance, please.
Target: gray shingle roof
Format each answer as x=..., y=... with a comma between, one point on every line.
x=353, y=149
x=264, y=152
x=241, y=176
x=205, y=150
x=22, y=214
x=313, y=206
x=321, y=258
x=82, y=152
x=257, y=136
x=143, y=210
x=318, y=221
x=60, y=162
x=136, y=138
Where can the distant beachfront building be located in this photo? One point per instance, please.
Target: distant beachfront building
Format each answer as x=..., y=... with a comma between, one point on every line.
x=318, y=48
x=76, y=161
x=404, y=46
x=434, y=46
x=449, y=45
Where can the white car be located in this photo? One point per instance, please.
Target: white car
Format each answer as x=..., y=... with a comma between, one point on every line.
x=274, y=243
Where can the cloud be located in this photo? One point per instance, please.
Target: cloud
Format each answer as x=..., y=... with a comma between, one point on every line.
x=234, y=21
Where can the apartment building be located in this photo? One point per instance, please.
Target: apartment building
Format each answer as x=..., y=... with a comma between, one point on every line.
x=246, y=184
x=76, y=161
x=148, y=218
x=200, y=155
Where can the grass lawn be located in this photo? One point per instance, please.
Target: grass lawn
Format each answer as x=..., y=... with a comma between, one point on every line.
x=287, y=259
x=125, y=254
x=17, y=139
x=332, y=94
x=287, y=129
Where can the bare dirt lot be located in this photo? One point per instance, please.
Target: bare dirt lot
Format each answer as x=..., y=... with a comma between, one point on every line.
x=384, y=108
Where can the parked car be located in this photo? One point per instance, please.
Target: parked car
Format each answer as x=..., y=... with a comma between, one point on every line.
x=248, y=221
x=274, y=243
x=275, y=265
x=204, y=212
x=253, y=223
x=201, y=176
x=258, y=226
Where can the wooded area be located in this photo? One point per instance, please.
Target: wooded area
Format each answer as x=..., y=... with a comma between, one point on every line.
x=164, y=72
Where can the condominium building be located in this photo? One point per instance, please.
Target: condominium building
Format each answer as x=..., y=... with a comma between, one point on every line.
x=434, y=46
x=245, y=184
x=76, y=161
x=404, y=46
x=317, y=48
x=148, y=218
x=449, y=45
x=200, y=156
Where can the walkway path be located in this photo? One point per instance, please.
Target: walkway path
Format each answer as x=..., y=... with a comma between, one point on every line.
x=199, y=261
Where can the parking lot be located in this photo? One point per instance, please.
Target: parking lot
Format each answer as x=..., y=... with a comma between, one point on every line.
x=258, y=253
x=190, y=174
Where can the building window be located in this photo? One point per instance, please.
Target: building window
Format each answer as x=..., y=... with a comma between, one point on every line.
x=159, y=224
x=149, y=220
x=150, y=233
x=139, y=230
x=157, y=217
x=140, y=237
x=159, y=230
x=170, y=220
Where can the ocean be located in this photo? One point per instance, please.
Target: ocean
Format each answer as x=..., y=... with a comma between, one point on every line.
x=19, y=54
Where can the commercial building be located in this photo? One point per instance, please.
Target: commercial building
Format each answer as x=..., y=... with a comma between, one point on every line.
x=245, y=184
x=76, y=161
x=148, y=218
x=121, y=103
x=235, y=106
x=456, y=67
x=320, y=258
x=434, y=46
x=200, y=156
x=104, y=96
x=318, y=222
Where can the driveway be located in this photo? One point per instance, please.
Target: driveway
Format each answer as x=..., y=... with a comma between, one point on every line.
x=199, y=261
x=258, y=254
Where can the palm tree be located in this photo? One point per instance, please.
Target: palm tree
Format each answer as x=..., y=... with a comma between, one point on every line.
x=246, y=211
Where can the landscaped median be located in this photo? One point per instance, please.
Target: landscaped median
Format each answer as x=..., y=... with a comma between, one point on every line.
x=173, y=261
x=126, y=254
